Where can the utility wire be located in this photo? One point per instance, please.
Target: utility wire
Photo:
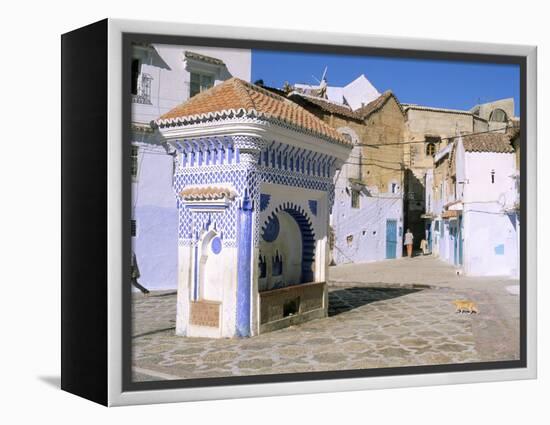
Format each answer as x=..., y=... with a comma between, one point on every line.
x=407, y=142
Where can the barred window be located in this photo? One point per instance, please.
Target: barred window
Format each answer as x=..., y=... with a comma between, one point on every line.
x=430, y=149
x=134, y=161
x=133, y=228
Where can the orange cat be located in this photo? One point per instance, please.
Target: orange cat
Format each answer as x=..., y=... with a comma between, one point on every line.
x=465, y=305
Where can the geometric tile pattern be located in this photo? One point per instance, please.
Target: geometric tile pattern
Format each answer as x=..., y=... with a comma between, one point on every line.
x=218, y=161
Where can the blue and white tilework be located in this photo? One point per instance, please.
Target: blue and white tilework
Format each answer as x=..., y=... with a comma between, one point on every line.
x=219, y=161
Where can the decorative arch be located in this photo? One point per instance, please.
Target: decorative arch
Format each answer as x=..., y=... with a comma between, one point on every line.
x=348, y=131
x=498, y=115
x=209, y=248
x=355, y=159
x=307, y=235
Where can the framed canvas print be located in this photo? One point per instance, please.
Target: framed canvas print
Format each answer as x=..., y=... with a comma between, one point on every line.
x=250, y=212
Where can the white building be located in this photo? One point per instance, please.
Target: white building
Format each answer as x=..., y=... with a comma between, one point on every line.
x=164, y=76
x=367, y=222
x=356, y=94
x=475, y=222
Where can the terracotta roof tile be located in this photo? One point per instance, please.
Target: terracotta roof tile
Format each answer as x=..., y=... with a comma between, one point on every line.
x=408, y=106
x=487, y=142
x=370, y=108
x=237, y=97
x=325, y=105
x=513, y=129
x=206, y=193
x=203, y=58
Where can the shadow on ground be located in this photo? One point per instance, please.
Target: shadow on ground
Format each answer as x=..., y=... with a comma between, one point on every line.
x=342, y=300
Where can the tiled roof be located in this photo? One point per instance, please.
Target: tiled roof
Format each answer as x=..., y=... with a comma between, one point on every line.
x=206, y=193
x=370, y=108
x=513, y=129
x=325, y=105
x=487, y=142
x=408, y=106
x=203, y=58
x=235, y=97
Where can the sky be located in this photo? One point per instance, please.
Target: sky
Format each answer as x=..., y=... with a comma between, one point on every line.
x=444, y=84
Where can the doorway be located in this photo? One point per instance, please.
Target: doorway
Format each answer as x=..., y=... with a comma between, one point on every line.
x=391, y=239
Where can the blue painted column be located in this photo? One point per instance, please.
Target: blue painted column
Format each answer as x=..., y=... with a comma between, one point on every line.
x=244, y=275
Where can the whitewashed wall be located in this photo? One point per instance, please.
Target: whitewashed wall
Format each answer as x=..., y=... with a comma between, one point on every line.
x=154, y=202
x=225, y=263
x=366, y=225
x=155, y=212
x=171, y=78
x=490, y=234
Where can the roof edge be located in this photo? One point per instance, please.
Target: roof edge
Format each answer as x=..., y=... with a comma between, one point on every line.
x=243, y=113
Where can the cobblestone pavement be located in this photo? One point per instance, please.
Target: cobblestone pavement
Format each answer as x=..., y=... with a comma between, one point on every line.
x=370, y=325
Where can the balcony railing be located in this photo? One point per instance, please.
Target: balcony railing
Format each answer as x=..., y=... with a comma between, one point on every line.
x=143, y=94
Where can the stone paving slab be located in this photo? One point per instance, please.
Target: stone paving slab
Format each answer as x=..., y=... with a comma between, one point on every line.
x=367, y=327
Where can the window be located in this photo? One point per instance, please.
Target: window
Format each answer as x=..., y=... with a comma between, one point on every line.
x=355, y=198
x=431, y=145
x=141, y=84
x=143, y=93
x=134, y=162
x=347, y=137
x=492, y=176
x=498, y=115
x=135, y=75
x=200, y=83
x=394, y=188
x=133, y=228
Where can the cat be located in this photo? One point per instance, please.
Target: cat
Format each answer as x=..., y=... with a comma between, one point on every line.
x=465, y=306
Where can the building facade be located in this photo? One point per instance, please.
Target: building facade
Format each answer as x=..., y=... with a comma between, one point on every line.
x=367, y=218
x=164, y=76
x=429, y=130
x=254, y=183
x=474, y=221
x=353, y=95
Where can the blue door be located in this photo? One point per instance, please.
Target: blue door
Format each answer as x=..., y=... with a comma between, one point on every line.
x=429, y=235
x=455, y=247
x=460, y=242
x=391, y=238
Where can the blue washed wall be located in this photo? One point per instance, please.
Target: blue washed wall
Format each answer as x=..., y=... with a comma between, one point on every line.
x=156, y=247
x=155, y=211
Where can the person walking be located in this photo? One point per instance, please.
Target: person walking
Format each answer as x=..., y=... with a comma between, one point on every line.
x=409, y=242
x=134, y=270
